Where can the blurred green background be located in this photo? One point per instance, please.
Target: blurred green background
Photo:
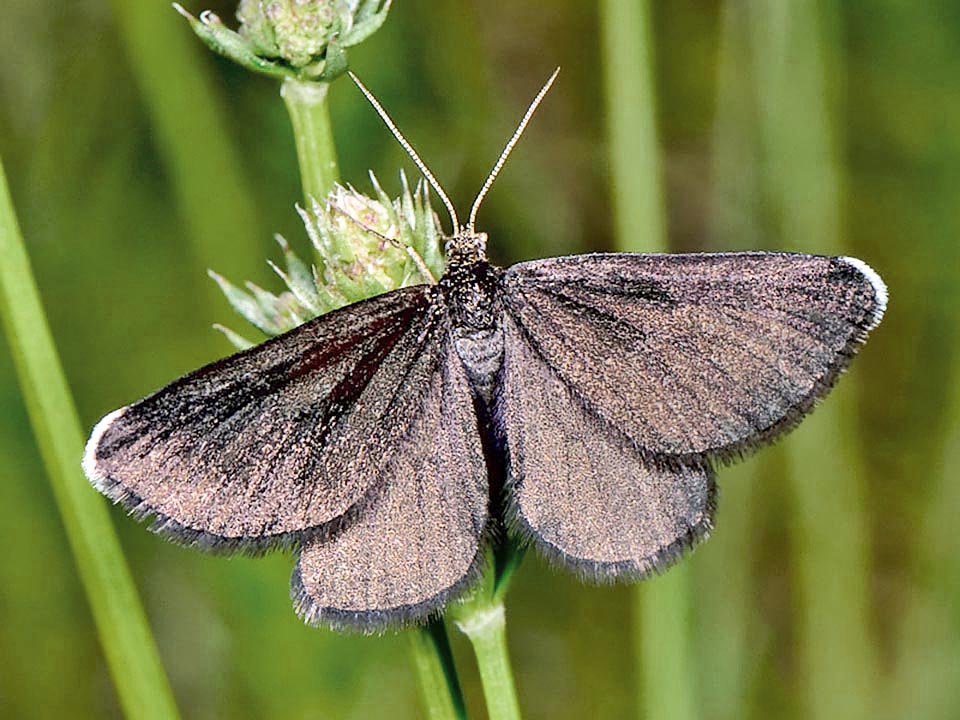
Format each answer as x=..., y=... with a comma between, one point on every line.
x=831, y=587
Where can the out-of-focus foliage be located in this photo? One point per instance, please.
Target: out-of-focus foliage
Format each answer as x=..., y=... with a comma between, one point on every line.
x=104, y=213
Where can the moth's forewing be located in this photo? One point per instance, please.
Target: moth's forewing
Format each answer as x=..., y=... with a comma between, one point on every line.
x=696, y=355
x=281, y=442
x=674, y=360
x=420, y=541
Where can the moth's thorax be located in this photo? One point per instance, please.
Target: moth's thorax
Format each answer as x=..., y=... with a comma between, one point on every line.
x=472, y=294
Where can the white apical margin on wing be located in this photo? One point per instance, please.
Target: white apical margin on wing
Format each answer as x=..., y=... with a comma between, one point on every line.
x=879, y=288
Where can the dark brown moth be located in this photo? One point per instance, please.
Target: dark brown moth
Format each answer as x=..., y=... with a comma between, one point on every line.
x=603, y=388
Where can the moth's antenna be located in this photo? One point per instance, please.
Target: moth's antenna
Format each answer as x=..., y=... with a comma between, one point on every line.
x=508, y=148
x=409, y=150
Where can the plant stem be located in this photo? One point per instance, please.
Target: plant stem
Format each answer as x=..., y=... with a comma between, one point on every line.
x=827, y=475
x=485, y=624
x=483, y=620
x=310, y=116
x=131, y=653
x=662, y=642
x=439, y=685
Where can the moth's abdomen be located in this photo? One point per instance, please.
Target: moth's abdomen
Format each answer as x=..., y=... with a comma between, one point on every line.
x=482, y=356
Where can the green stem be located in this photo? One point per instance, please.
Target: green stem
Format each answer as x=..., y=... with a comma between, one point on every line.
x=121, y=622
x=310, y=116
x=483, y=620
x=485, y=624
x=439, y=685
x=661, y=623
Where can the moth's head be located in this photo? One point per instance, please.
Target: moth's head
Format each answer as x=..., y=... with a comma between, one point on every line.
x=466, y=245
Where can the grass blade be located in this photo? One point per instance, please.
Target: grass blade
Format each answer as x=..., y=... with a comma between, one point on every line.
x=662, y=606
x=826, y=472
x=728, y=633
x=121, y=623
x=638, y=207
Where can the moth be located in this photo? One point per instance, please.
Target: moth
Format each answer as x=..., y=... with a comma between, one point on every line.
x=599, y=392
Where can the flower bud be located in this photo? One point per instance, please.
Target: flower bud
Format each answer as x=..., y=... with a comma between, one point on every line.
x=295, y=31
x=300, y=39
x=364, y=247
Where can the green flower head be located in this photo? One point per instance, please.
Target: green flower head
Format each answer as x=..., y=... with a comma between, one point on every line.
x=295, y=31
x=363, y=246
x=301, y=39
